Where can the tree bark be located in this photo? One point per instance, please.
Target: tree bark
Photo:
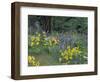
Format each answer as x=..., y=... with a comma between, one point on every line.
x=46, y=23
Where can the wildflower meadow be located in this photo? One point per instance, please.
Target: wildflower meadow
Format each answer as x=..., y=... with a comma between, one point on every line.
x=55, y=40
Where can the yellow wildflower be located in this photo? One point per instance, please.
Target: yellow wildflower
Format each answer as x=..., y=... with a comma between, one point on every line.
x=69, y=53
x=32, y=61
x=29, y=59
x=32, y=43
x=33, y=38
x=37, y=43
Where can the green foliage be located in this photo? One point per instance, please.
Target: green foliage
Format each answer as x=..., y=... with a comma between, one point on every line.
x=59, y=23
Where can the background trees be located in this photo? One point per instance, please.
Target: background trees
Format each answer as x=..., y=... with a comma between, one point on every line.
x=57, y=23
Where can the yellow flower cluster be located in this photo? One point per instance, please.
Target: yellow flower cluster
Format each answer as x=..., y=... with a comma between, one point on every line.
x=69, y=53
x=53, y=41
x=35, y=40
x=32, y=61
x=40, y=39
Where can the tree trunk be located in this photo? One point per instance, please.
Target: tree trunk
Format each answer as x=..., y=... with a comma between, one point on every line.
x=46, y=23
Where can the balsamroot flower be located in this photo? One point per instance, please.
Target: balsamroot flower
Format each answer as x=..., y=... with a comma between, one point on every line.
x=32, y=61
x=69, y=53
